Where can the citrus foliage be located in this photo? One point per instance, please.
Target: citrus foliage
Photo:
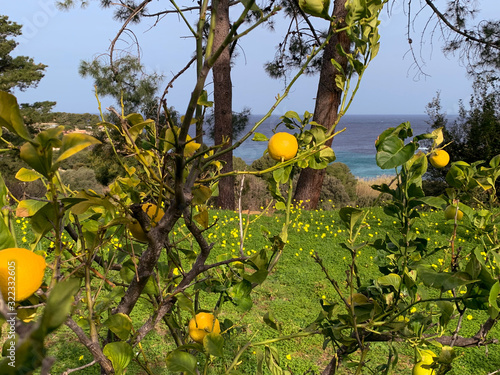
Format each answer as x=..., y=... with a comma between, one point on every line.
x=100, y=272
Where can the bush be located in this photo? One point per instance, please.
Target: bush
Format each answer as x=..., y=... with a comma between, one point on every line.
x=262, y=163
x=81, y=179
x=342, y=172
x=333, y=193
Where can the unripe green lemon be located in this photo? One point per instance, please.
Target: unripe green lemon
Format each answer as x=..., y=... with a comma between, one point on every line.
x=449, y=213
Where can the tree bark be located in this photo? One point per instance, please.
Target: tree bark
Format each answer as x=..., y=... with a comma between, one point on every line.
x=223, y=111
x=328, y=99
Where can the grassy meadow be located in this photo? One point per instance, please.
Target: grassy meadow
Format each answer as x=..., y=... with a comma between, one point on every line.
x=292, y=294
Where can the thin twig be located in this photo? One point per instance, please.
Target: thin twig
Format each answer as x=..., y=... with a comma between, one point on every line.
x=70, y=370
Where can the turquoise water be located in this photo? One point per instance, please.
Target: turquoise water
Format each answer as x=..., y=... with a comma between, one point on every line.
x=354, y=147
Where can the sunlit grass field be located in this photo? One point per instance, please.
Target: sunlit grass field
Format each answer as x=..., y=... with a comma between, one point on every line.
x=292, y=293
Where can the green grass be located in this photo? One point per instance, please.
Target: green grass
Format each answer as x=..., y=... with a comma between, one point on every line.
x=292, y=293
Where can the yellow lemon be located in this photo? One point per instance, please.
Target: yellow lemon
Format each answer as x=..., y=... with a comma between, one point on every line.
x=201, y=325
x=422, y=368
x=282, y=146
x=439, y=158
x=155, y=216
x=21, y=273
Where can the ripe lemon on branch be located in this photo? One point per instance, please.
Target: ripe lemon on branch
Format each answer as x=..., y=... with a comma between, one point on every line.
x=439, y=158
x=21, y=273
x=203, y=324
x=423, y=367
x=155, y=214
x=282, y=146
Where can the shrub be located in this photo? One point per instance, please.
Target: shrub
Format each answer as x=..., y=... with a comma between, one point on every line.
x=342, y=172
x=262, y=163
x=333, y=192
x=81, y=179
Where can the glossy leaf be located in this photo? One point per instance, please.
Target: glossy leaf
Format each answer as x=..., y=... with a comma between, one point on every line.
x=492, y=300
x=202, y=218
x=73, y=143
x=59, y=304
x=391, y=279
x=29, y=207
x=214, y=344
x=6, y=239
x=259, y=137
x=350, y=216
x=37, y=158
x=201, y=194
x=392, y=152
x=10, y=116
x=27, y=175
x=120, y=354
x=120, y=324
x=178, y=361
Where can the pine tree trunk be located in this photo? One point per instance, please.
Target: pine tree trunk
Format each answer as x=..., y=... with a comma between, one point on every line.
x=328, y=99
x=223, y=114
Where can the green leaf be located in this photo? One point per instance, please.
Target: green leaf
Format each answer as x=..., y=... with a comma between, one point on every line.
x=6, y=239
x=73, y=143
x=178, y=361
x=214, y=344
x=391, y=279
x=27, y=175
x=134, y=118
x=137, y=129
x=201, y=194
x=447, y=308
x=271, y=321
x=438, y=136
x=202, y=218
x=10, y=116
x=292, y=115
x=120, y=324
x=350, y=216
x=37, y=158
x=443, y=280
x=392, y=152
x=259, y=137
x=240, y=294
x=203, y=99
x=435, y=202
x=29, y=207
x=257, y=277
x=59, y=304
x=120, y=354
x=492, y=300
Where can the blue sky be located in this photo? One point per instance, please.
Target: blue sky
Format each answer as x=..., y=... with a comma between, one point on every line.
x=62, y=39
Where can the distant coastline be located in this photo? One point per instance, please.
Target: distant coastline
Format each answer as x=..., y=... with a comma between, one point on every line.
x=355, y=147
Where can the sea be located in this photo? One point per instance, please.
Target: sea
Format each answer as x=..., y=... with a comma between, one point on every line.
x=354, y=147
